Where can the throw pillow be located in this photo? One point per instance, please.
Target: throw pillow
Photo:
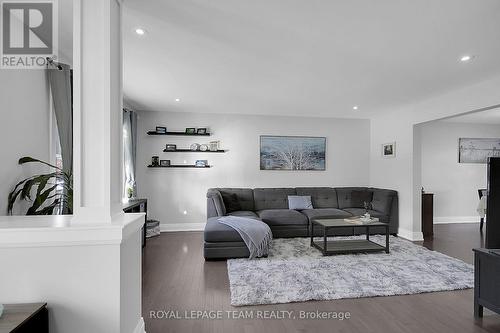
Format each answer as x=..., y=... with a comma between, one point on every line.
x=299, y=202
x=231, y=202
x=358, y=198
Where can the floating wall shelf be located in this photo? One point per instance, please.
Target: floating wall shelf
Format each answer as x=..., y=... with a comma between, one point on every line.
x=192, y=151
x=177, y=133
x=180, y=166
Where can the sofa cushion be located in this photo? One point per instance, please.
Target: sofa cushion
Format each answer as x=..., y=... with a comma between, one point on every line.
x=322, y=197
x=218, y=232
x=299, y=202
x=374, y=213
x=231, y=202
x=344, y=195
x=358, y=198
x=272, y=198
x=282, y=217
x=325, y=213
x=244, y=213
x=382, y=200
x=244, y=196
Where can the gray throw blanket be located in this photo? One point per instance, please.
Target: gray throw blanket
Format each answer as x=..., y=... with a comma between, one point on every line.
x=256, y=234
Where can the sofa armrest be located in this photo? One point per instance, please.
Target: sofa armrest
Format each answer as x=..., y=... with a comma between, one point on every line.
x=215, y=204
x=386, y=202
x=394, y=216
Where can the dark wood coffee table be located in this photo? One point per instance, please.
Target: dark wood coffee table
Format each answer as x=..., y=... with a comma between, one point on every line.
x=329, y=247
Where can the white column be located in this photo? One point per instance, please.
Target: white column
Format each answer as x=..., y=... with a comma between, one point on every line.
x=91, y=262
x=97, y=111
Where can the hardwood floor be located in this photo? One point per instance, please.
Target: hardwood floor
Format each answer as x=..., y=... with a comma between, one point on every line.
x=176, y=278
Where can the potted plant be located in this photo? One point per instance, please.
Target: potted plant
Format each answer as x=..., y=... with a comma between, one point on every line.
x=50, y=193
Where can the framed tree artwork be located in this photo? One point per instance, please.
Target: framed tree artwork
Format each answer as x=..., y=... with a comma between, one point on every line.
x=477, y=150
x=292, y=153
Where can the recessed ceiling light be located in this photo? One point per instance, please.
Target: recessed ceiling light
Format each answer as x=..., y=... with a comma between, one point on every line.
x=355, y=107
x=140, y=31
x=177, y=99
x=466, y=58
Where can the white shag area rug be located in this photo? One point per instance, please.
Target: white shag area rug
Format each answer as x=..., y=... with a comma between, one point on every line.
x=295, y=272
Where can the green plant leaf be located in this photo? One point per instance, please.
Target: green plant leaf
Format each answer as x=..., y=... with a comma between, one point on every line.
x=26, y=190
x=14, y=193
x=28, y=159
x=35, y=181
x=12, y=199
x=40, y=200
x=48, y=210
x=41, y=185
x=44, y=184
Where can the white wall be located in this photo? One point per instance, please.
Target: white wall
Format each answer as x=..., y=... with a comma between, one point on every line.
x=454, y=184
x=24, y=127
x=172, y=191
x=394, y=173
x=402, y=173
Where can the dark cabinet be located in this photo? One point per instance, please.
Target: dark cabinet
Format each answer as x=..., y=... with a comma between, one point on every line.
x=428, y=214
x=493, y=207
x=486, y=273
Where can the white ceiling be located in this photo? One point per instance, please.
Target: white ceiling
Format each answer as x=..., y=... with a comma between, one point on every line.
x=304, y=57
x=490, y=117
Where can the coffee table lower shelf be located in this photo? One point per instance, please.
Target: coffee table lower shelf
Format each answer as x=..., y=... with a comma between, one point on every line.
x=348, y=246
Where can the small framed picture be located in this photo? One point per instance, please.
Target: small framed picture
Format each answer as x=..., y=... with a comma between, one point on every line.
x=164, y=163
x=161, y=129
x=155, y=160
x=190, y=130
x=389, y=149
x=201, y=163
x=201, y=130
x=170, y=147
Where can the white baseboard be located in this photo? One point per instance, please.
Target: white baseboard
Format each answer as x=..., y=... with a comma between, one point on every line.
x=170, y=227
x=410, y=235
x=141, y=327
x=456, y=219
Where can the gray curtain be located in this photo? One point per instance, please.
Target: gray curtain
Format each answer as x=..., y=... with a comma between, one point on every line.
x=60, y=79
x=129, y=152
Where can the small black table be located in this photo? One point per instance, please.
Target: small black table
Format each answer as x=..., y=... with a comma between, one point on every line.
x=348, y=246
x=25, y=318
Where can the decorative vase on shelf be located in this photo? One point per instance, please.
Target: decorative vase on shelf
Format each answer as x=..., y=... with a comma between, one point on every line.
x=214, y=145
x=368, y=206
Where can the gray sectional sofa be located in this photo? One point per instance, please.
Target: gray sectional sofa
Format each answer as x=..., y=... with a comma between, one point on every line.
x=270, y=205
